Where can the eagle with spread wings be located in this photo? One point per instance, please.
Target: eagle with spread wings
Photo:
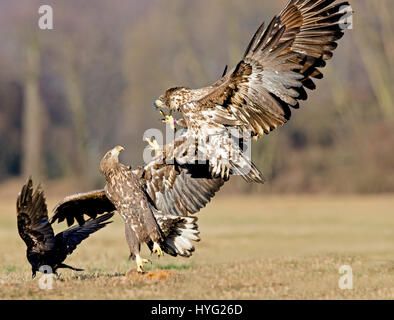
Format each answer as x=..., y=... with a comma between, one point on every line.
x=281, y=61
x=155, y=201
x=43, y=247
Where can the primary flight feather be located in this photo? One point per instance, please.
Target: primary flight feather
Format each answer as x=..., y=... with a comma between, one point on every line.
x=281, y=61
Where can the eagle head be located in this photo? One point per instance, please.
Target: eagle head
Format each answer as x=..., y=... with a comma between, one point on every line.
x=173, y=98
x=110, y=158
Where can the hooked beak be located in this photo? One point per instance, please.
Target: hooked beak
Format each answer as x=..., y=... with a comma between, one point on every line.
x=157, y=104
x=118, y=149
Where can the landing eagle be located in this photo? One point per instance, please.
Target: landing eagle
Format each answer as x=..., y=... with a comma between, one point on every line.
x=256, y=96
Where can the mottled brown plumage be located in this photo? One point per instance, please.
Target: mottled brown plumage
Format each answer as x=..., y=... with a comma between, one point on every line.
x=280, y=62
x=43, y=247
x=155, y=202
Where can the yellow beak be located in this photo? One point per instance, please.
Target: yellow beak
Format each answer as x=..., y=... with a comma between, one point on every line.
x=119, y=148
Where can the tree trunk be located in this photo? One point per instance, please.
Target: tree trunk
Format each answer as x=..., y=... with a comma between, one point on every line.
x=76, y=103
x=32, y=114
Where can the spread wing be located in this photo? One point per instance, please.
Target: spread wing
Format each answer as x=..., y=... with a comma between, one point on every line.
x=32, y=216
x=173, y=189
x=279, y=63
x=179, y=189
x=75, y=206
x=72, y=237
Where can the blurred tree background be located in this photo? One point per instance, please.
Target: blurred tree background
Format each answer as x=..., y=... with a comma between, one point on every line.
x=68, y=95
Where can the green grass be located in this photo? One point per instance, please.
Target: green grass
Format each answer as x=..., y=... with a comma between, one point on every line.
x=172, y=266
x=258, y=247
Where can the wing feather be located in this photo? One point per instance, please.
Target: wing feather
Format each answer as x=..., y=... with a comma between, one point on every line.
x=279, y=63
x=32, y=218
x=179, y=189
x=74, y=207
x=73, y=236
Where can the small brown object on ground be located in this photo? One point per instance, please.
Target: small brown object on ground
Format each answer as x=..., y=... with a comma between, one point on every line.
x=149, y=275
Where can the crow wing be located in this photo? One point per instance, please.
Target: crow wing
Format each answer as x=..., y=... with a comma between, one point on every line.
x=32, y=217
x=72, y=237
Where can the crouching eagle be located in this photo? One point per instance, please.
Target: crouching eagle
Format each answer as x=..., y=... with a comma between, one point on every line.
x=279, y=64
x=154, y=201
x=43, y=247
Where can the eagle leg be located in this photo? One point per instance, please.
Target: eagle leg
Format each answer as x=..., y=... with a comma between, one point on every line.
x=154, y=146
x=168, y=118
x=140, y=263
x=156, y=249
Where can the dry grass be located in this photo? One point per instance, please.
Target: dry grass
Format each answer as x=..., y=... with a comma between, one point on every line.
x=252, y=248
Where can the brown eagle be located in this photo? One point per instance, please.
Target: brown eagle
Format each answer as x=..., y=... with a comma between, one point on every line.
x=43, y=247
x=154, y=201
x=279, y=64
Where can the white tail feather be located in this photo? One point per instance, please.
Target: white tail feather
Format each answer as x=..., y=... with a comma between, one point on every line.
x=179, y=234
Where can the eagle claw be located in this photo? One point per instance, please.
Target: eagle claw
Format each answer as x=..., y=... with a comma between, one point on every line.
x=140, y=263
x=222, y=169
x=168, y=118
x=154, y=145
x=156, y=249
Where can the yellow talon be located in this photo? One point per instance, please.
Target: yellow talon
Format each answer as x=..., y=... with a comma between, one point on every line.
x=140, y=263
x=168, y=118
x=157, y=249
x=154, y=145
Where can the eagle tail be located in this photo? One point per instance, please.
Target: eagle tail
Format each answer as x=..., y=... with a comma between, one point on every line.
x=179, y=233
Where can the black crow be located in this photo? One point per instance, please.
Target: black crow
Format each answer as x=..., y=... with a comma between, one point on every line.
x=43, y=247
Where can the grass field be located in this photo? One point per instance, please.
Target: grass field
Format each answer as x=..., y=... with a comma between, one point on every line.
x=269, y=247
